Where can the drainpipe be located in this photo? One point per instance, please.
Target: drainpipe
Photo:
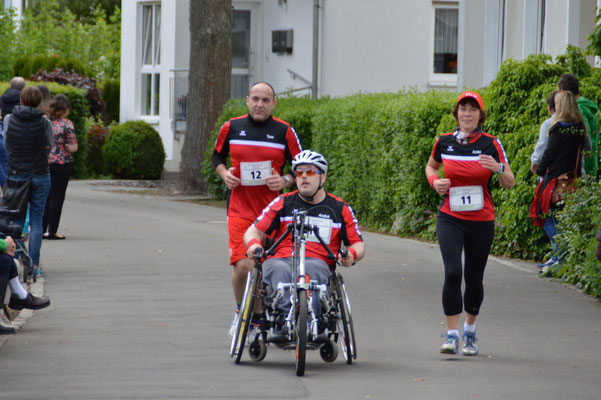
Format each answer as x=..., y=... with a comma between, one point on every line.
x=315, y=48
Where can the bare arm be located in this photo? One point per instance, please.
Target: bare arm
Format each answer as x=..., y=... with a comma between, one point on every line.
x=440, y=185
x=253, y=233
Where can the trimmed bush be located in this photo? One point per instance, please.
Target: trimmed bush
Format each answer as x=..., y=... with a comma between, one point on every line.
x=134, y=150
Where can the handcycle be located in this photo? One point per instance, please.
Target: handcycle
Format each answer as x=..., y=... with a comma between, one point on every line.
x=305, y=330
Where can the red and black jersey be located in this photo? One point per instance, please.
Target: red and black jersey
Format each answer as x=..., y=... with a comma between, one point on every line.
x=344, y=226
x=246, y=140
x=461, y=166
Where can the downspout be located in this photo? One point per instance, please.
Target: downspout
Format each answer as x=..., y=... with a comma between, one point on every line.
x=315, y=49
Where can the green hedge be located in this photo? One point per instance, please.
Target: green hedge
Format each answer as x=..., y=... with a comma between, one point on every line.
x=134, y=150
x=378, y=145
x=78, y=114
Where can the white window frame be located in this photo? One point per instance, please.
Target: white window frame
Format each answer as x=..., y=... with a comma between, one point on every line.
x=152, y=69
x=438, y=79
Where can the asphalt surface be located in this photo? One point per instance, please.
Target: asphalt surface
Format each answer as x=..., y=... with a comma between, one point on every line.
x=141, y=306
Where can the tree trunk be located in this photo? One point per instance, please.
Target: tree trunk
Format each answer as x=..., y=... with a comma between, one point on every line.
x=208, y=84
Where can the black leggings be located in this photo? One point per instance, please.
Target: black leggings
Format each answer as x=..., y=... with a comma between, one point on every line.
x=454, y=236
x=59, y=179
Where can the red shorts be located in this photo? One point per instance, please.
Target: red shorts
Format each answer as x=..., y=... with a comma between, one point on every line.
x=236, y=227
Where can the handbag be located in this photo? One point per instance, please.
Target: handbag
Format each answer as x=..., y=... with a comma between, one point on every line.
x=16, y=195
x=566, y=183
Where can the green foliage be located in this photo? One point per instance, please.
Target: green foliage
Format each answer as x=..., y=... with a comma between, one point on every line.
x=26, y=66
x=595, y=38
x=578, y=224
x=49, y=29
x=134, y=150
x=111, y=90
x=8, y=26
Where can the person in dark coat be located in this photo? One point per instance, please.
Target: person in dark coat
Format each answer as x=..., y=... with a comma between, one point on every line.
x=12, y=96
x=28, y=139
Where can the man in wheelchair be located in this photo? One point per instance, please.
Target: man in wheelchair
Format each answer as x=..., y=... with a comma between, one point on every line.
x=337, y=225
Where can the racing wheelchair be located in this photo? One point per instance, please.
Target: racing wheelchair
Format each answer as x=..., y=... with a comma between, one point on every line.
x=304, y=329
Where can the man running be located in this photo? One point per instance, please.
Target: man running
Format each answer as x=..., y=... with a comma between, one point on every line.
x=258, y=145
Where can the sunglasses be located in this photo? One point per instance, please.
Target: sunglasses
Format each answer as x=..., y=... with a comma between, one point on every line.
x=309, y=171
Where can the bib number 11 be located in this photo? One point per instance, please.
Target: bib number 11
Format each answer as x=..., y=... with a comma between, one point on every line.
x=466, y=198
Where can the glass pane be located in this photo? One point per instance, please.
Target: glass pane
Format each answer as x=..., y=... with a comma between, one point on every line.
x=445, y=41
x=240, y=38
x=157, y=35
x=147, y=35
x=239, y=86
x=146, y=94
x=156, y=95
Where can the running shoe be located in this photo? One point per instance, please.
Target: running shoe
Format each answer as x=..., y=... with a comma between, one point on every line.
x=450, y=345
x=543, y=268
x=234, y=321
x=254, y=331
x=469, y=344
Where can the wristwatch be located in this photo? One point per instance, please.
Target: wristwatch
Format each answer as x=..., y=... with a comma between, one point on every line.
x=288, y=179
x=502, y=170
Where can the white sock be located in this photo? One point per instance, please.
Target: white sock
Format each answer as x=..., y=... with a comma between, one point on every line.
x=454, y=332
x=469, y=328
x=17, y=288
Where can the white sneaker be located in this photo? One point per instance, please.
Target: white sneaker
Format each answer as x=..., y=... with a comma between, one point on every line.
x=234, y=323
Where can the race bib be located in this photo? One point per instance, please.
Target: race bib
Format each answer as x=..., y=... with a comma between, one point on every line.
x=254, y=173
x=466, y=198
x=325, y=229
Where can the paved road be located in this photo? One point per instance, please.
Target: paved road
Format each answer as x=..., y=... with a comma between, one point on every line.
x=141, y=305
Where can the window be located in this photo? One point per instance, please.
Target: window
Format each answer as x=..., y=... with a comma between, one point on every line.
x=444, y=57
x=150, y=59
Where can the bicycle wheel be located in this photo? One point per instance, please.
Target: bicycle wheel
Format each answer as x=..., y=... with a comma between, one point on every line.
x=301, y=332
x=238, y=327
x=345, y=323
x=246, y=312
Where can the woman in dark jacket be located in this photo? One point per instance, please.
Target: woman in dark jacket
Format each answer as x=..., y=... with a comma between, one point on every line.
x=562, y=156
x=28, y=137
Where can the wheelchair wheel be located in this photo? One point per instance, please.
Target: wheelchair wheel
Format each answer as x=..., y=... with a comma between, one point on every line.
x=257, y=350
x=301, y=332
x=246, y=311
x=345, y=323
x=329, y=351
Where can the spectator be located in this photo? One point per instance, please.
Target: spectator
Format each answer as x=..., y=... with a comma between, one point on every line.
x=61, y=163
x=46, y=96
x=588, y=109
x=3, y=156
x=543, y=134
x=12, y=95
x=28, y=141
x=561, y=157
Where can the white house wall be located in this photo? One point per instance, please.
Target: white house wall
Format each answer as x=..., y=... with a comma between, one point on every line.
x=382, y=47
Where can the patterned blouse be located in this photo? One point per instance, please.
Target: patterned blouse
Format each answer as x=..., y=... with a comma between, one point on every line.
x=63, y=133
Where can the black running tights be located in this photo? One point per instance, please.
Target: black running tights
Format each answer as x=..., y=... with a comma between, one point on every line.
x=475, y=239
